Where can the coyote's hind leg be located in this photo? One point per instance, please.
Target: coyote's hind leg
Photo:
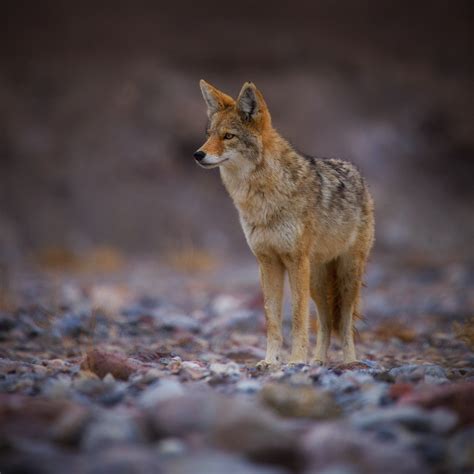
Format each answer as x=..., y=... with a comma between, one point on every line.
x=319, y=292
x=350, y=269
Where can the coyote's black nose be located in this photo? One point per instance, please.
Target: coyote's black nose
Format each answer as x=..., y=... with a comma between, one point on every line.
x=199, y=155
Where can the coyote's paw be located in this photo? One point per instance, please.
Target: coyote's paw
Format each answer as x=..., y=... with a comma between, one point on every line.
x=317, y=362
x=267, y=364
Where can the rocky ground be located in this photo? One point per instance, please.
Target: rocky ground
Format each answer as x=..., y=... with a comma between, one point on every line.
x=151, y=369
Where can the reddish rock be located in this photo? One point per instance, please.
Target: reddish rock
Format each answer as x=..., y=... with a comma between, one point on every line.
x=399, y=390
x=457, y=397
x=102, y=363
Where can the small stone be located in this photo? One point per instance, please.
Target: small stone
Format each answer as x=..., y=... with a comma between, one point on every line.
x=106, y=392
x=458, y=397
x=151, y=375
x=411, y=417
x=122, y=458
x=110, y=428
x=299, y=401
x=174, y=321
x=251, y=430
x=428, y=373
x=109, y=379
x=332, y=445
x=400, y=389
x=217, y=462
x=248, y=386
x=102, y=362
x=246, y=354
x=193, y=371
x=58, y=388
x=230, y=369
x=224, y=304
x=72, y=325
x=69, y=427
x=57, y=364
x=171, y=447
x=39, y=369
x=461, y=450
x=160, y=391
x=7, y=322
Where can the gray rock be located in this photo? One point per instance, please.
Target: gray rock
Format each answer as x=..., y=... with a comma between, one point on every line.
x=339, y=469
x=72, y=325
x=230, y=369
x=248, y=386
x=175, y=321
x=160, y=391
x=251, y=430
x=427, y=373
x=461, y=450
x=170, y=447
x=438, y=421
x=107, y=391
x=123, y=459
x=68, y=429
x=213, y=462
x=58, y=388
x=228, y=423
x=110, y=428
x=331, y=445
x=301, y=401
x=183, y=414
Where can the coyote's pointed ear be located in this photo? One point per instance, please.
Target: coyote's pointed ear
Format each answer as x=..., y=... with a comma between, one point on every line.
x=250, y=102
x=214, y=98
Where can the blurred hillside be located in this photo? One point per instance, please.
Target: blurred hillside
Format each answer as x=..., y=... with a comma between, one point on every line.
x=100, y=112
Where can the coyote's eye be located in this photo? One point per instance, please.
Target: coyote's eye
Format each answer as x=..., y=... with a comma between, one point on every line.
x=228, y=136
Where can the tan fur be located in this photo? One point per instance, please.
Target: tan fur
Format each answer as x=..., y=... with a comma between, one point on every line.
x=311, y=218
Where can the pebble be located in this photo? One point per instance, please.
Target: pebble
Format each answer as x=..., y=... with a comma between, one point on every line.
x=438, y=421
x=230, y=369
x=253, y=431
x=336, y=445
x=299, y=401
x=109, y=428
x=172, y=321
x=461, y=449
x=58, y=388
x=427, y=373
x=151, y=375
x=248, y=386
x=171, y=447
x=216, y=462
x=122, y=459
x=193, y=370
x=71, y=325
x=164, y=389
x=69, y=427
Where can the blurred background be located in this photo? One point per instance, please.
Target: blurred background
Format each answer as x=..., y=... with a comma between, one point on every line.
x=100, y=112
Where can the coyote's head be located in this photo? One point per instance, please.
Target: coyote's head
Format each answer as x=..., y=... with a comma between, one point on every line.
x=236, y=129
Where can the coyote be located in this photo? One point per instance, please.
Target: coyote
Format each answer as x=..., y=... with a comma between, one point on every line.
x=310, y=217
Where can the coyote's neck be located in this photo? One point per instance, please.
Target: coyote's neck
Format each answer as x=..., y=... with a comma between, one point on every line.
x=256, y=189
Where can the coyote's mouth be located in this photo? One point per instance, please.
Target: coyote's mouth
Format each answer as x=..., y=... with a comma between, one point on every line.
x=211, y=165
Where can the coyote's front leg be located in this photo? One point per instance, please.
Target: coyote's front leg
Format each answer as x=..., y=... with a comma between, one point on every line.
x=271, y=278
x=299, y=274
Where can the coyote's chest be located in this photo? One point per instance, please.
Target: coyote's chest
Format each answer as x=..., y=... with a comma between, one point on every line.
x=269, y=219
x=269, y=227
